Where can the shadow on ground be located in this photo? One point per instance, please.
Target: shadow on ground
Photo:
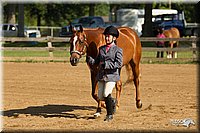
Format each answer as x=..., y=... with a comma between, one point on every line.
x=51, y=111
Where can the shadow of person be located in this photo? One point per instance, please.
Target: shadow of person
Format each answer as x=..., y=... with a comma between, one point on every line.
x=66, y=111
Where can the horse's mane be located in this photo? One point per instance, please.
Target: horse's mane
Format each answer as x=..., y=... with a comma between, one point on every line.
x=95, y=34
x=93, y=29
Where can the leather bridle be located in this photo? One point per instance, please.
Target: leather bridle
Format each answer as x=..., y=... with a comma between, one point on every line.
x=74, y=43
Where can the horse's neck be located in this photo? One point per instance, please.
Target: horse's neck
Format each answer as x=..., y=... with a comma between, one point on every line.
x=102, y=40
x=95, y=36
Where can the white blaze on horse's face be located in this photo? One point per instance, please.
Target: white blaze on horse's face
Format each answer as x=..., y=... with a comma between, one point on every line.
x=74, y=42
x=78, y=47
x=75, y=55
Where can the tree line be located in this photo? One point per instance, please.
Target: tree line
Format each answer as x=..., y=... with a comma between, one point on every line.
x=38, y=14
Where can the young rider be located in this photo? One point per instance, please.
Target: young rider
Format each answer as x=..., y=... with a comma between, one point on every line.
x=110, y=60
x=160, y=44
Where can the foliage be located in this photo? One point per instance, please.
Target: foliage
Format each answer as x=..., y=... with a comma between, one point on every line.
x=54, y=14
x=32, y=12
x=102, y=9
x=188, y=10
x=61, y=14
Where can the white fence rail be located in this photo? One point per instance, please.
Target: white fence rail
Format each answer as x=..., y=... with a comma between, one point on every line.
x=49, y=40
x=66, y=39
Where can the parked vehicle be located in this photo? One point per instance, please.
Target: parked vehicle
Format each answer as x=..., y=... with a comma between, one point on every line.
x=91, y=22
x=134, y=18
x=11, y=30
x=177, y=20
x=66, y=30
x=32, y=33
x=86, y=22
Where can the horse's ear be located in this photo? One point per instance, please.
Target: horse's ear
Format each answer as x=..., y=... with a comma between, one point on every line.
x=71, y=29
x=81, y=28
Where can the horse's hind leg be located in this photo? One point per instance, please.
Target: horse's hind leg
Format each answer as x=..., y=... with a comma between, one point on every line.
x=129, y=73
x=136, y=74
x=171, y=52
x=118, y=92
x=174, y=54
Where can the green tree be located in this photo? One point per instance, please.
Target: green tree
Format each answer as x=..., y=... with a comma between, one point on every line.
x=91, y=9
x=147, y=29
x=197, y=12
x=9, y=13
x=62, y=14
x=102, y=9
x=21, y=20
x=188, y=10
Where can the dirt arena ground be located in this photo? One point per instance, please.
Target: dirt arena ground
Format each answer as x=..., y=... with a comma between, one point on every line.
x=57, y=97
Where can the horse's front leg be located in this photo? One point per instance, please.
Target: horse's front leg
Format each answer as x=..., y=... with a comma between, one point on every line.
x=95, y=94
x=170, y=53
x=174, y=53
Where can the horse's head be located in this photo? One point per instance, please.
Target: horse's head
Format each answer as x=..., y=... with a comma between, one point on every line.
x=78, y=45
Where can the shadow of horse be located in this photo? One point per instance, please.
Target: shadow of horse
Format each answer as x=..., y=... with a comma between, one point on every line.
x=66, y=111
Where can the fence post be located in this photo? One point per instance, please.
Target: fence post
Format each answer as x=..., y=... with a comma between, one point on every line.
x=50, y=48
x=52, y=32
x=194, y=46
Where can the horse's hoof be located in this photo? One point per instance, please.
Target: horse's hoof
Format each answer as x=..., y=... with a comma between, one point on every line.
x=117, y=107
x=97, y=114
x=139, y=104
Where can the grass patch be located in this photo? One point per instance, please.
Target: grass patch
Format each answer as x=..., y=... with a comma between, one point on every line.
x=24, y=53
x=169, y=61
x=147, y=57
x=29, y=53
x=153, y=44
x=180, y=54
x=34, y=44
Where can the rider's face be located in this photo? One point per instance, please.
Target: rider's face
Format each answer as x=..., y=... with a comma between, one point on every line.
x=109, y=39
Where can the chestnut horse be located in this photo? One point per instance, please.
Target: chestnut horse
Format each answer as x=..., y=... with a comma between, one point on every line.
x=172, y=33
x=87, y=41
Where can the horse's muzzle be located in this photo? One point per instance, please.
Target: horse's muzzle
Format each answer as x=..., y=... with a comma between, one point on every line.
x=74, y=61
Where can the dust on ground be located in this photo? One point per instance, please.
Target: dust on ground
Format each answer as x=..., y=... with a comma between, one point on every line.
x=57, y=96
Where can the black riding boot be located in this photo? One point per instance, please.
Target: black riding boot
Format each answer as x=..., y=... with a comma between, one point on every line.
x=109, y=108
x=114, y=104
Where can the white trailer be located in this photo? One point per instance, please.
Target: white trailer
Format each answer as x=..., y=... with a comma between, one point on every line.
x=134, y=18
